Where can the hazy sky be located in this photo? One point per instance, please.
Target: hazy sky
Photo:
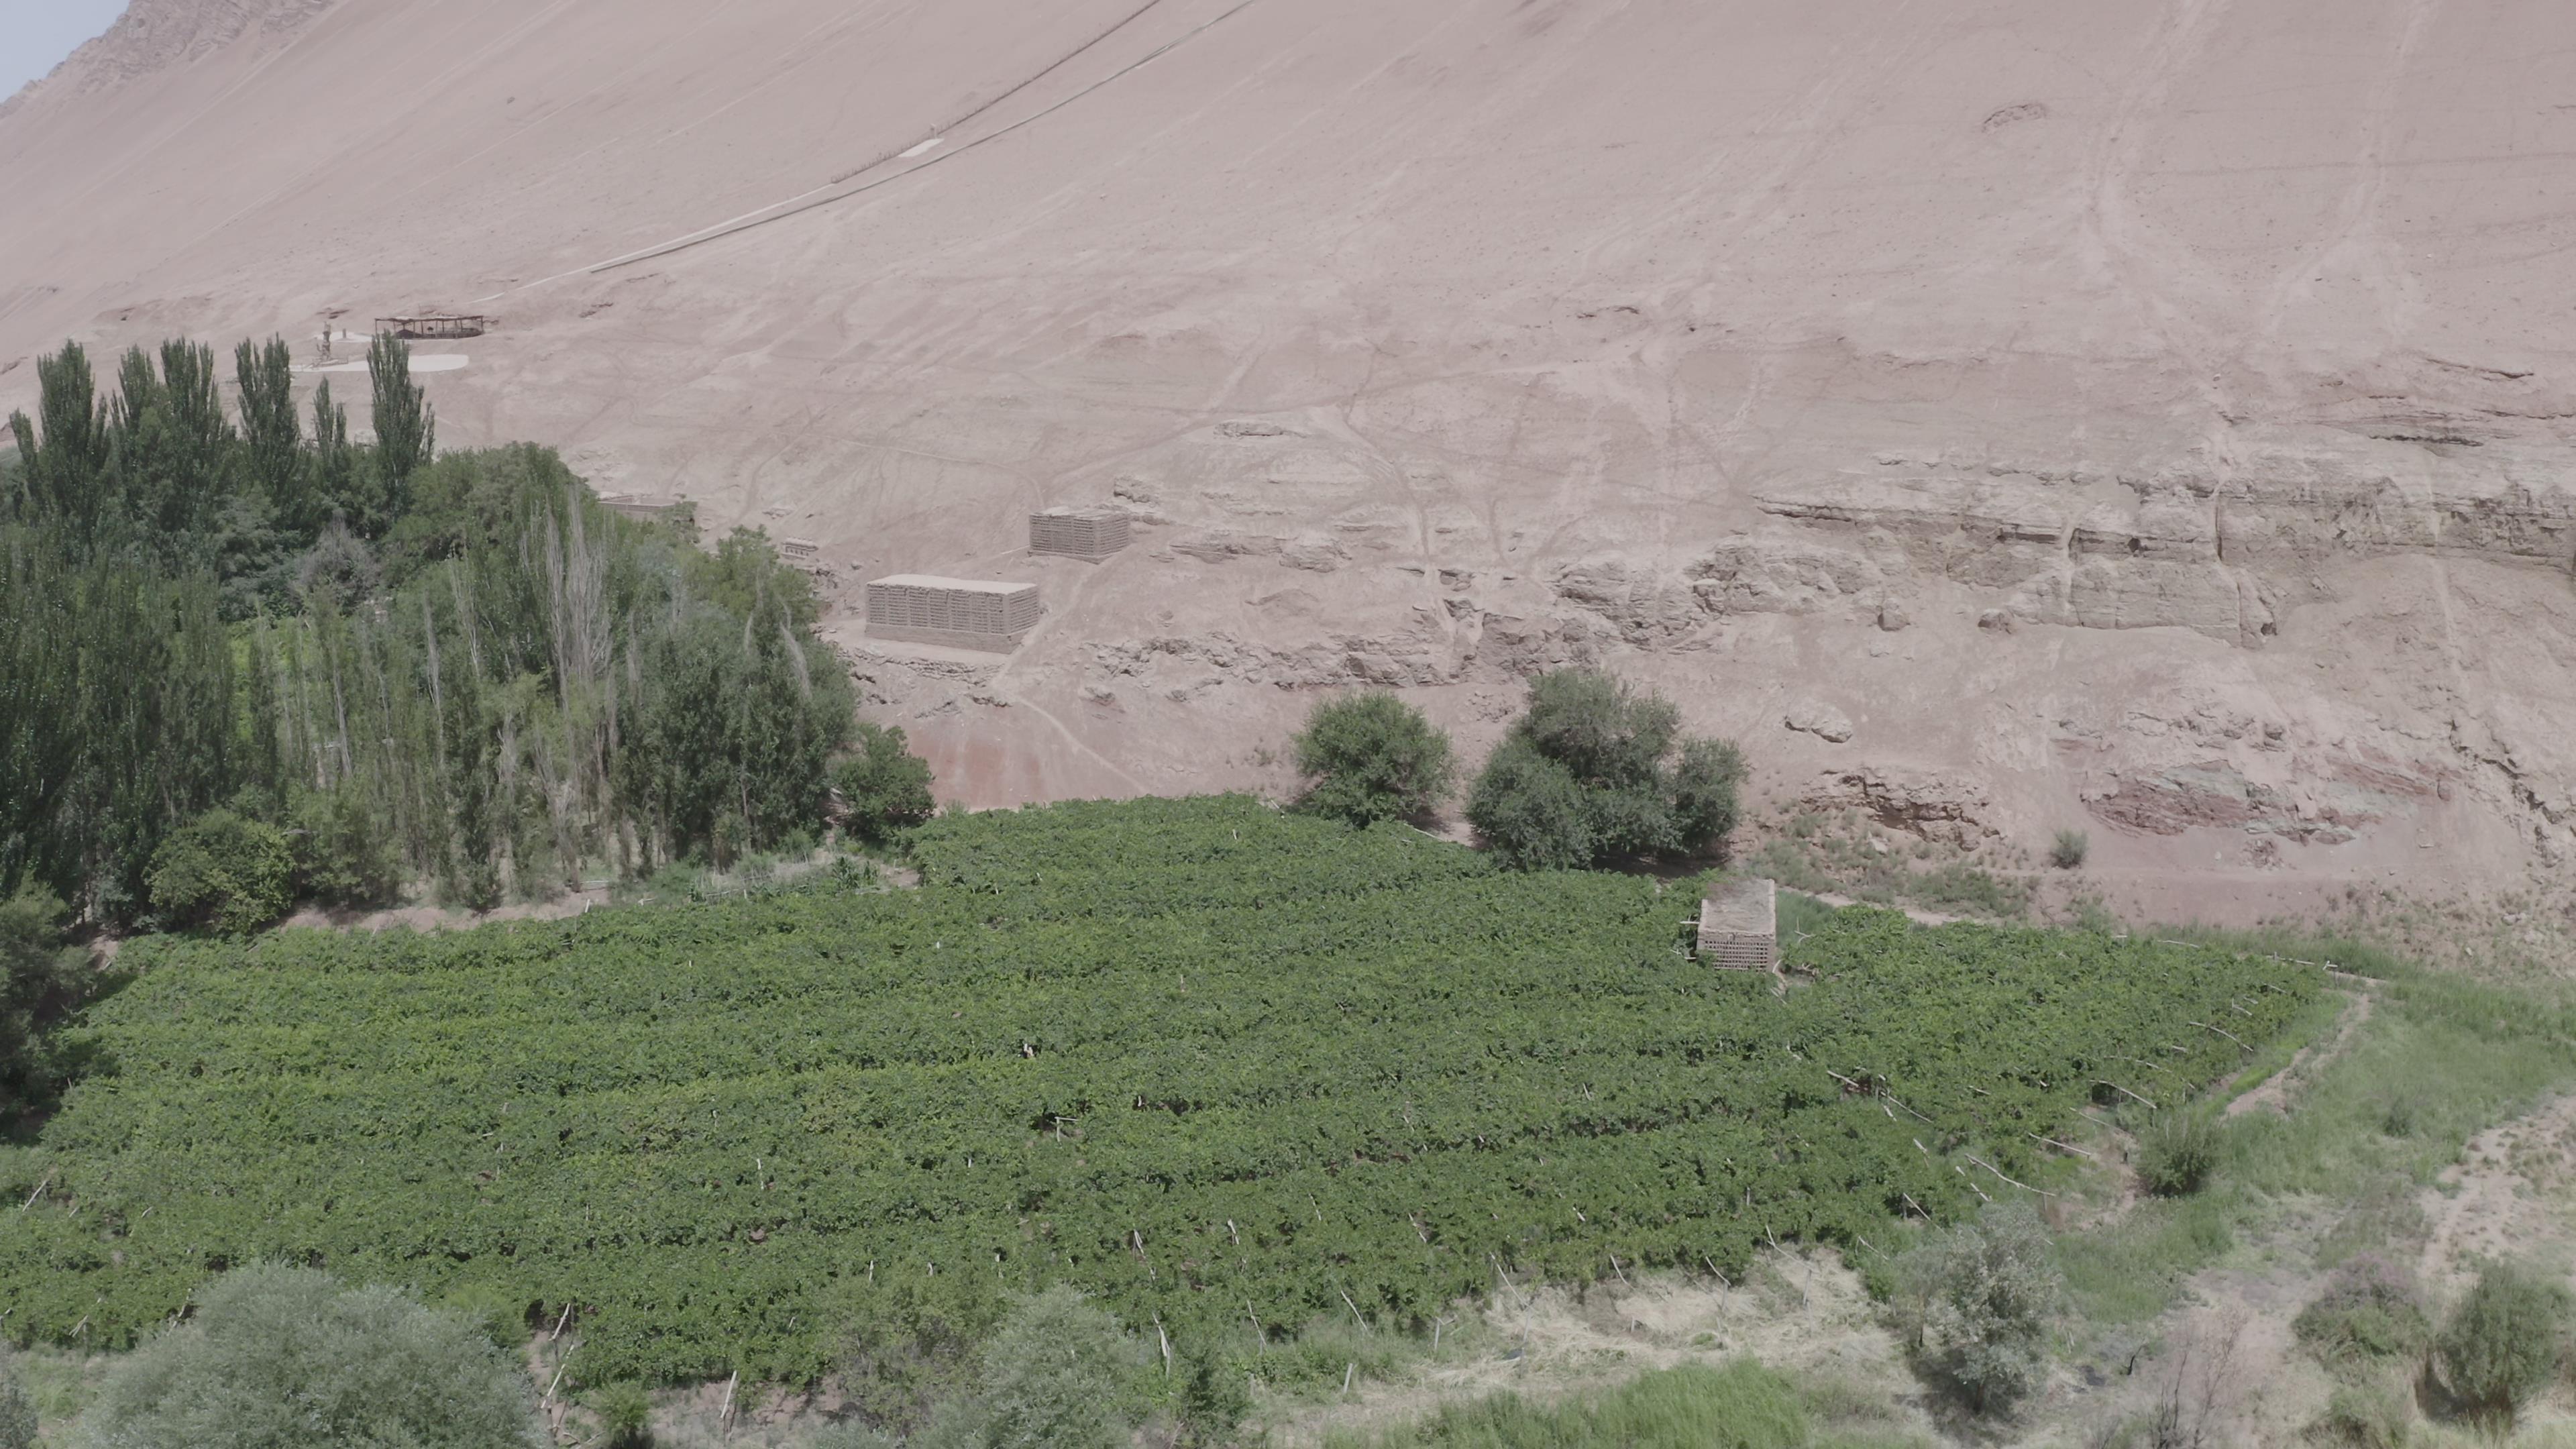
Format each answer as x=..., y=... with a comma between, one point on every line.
x=35, y=35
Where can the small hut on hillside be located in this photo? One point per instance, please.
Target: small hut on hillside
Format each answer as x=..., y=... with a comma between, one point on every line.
x=1739, y=926
x=962, y=613
x=439, y=327
x=1092, y=534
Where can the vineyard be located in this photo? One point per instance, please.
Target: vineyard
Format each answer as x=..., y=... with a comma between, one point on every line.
x=1221, y=1066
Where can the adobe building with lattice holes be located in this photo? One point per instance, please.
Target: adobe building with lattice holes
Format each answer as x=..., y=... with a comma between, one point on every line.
x=1739, y=926
x=960, y=613
x=1084, y=533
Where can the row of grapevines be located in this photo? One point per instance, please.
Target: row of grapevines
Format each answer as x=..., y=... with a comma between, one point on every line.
x=1219, y=1065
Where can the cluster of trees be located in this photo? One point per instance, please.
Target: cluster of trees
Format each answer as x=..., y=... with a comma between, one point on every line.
x=245, y=662
x=1593, y=772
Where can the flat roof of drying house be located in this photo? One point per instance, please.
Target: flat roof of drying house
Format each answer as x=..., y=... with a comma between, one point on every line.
x=928, y=581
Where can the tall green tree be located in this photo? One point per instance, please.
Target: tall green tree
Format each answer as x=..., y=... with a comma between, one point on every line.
x=335, y=486
x=171, y=448
x=406, y=425
x=1596, y=772
x=39, y=974
x=457, y=668
x=64, y=449
x=273, y=434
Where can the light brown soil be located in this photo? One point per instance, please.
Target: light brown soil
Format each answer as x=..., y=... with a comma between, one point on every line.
x=2511, y=1196
x=2007, y=417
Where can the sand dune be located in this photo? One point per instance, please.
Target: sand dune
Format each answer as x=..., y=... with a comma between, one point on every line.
x=2148, y=417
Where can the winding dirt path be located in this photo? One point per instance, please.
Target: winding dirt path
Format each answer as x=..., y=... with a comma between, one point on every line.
x=2273, y=1094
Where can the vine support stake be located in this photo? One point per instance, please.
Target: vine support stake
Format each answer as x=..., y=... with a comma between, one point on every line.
x=2231, y=1036
x=2125, y=1092
x=1990, y=1167
x=39, y=1192
x=1355, y=1310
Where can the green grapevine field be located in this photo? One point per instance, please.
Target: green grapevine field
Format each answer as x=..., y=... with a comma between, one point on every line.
x=1205, y=1060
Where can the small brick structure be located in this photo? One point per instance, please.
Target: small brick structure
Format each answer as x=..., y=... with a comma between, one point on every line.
x=961, y=613
x=1739, y=926
x=677, y=512
x=1084, y=533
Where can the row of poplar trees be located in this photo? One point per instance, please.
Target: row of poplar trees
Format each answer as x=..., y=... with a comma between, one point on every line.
x=458, y=669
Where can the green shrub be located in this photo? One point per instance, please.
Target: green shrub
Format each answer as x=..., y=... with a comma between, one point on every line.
x=1532, y=812
x=2068, y=851
x=1739, y=1406
x=884, y=786
x=1317, y=1356
x=285, y=1358
x=343, y=853
x=223, y=873
x=2177, y=1152
x=1055, y=1377
x=1372, y=757
x=1595, y=772
x=2365, y=1416
x=1973, y=1304
x=17, y=1415
x=2368, y=1310
x=625, y=1415
x=2504, y=1342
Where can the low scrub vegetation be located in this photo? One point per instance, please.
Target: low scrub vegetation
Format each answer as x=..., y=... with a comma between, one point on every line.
x=285, y=1358
x=2178, y=1149
x=2503, y=1343
x=1738, y=1406
x=2370, y=1312
x=1973, y=1304
x=17, y=1414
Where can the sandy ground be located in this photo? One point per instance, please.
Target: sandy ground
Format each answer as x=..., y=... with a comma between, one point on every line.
x=2004, y=415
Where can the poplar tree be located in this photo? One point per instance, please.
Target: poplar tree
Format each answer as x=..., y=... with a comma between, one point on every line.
x=62, y=465
x=406, y=427
x=273, y=435
x=333, y=468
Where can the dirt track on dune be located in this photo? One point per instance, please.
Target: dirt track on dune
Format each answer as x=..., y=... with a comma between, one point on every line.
x=2150, y=419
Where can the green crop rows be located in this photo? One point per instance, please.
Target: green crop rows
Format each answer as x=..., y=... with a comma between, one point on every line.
x=1206, y=1060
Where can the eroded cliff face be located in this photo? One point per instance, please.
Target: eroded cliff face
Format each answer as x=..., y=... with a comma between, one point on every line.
x=2430, y=580
x=2001, y=416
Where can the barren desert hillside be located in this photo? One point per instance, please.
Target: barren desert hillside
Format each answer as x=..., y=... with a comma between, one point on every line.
x=2000, y=415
